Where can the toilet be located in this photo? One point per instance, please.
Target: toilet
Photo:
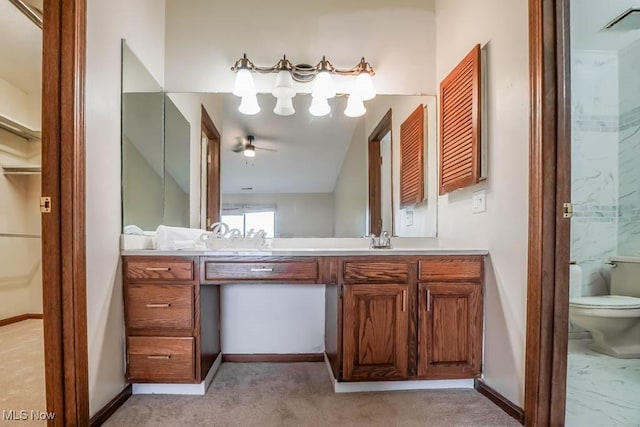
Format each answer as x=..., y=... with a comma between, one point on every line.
x=613, y=320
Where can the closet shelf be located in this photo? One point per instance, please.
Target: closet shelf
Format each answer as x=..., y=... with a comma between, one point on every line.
x=19, y=129
x=21, y=169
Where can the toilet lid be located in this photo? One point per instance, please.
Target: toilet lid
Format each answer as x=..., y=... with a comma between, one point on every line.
x=607, y=301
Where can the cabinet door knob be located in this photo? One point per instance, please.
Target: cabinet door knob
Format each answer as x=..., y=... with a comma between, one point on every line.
x=428, y=300
x=404, y=301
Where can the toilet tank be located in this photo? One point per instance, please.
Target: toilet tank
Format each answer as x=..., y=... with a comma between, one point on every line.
x=625, y=277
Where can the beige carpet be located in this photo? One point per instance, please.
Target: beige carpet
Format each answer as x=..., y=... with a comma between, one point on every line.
x=22, y=371
x=300, y=394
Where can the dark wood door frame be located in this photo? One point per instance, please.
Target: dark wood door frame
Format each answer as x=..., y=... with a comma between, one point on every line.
x=374, y=150
x=63, y=229
x=549, y=188
x=212, y=169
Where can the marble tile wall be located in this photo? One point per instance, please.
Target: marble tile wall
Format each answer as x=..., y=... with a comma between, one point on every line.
x=629, y=151
x=594, y=168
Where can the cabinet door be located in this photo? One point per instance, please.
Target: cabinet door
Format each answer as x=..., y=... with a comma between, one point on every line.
x=375, y=331
x=450, y=330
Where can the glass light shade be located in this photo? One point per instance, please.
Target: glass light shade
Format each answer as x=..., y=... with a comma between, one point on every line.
x=355, y=107
x=364, y=87
x=319, y=107
x=284, y=107
x=249, y=151
x=284, y=85
x=249, y=105
x=244, y=83
x=324, y=86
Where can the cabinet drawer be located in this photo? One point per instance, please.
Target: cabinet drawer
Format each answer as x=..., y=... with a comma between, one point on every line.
x=160, y=306
x=450, y=268
x=170, y=269
x=375, y=271
x=161, y=359
x=306, y=271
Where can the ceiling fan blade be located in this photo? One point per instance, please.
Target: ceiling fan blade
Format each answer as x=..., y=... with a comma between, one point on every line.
x=266, y=149
x=238, y=148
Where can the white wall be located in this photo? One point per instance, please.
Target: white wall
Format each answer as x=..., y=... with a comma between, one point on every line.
x=142, y=24
x=501, y=25
x=351, y=190
x=272, y=318
x=211, y=36
x=189, y=105
x=297, y=214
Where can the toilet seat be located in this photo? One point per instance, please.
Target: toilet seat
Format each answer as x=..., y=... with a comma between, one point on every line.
x=616, y=302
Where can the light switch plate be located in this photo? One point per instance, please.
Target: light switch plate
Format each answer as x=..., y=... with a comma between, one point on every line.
x=409, y=217
x=479, y=202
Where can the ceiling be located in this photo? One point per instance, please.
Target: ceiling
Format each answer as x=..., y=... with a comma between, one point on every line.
x=311, y=149
x=20, y=49
x=588, y=19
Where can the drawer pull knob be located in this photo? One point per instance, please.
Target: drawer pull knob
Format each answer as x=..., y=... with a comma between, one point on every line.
x=159, y=305
x=158, y=268
x=262, y=270
x=159, y=356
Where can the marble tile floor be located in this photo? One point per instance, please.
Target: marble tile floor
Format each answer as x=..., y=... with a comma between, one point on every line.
x=601, y=390
x=22, y=384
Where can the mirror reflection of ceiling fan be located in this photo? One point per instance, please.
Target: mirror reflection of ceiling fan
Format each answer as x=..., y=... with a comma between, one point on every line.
x=248, y=148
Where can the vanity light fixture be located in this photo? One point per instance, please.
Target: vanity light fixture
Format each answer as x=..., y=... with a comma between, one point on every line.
x=284, y=91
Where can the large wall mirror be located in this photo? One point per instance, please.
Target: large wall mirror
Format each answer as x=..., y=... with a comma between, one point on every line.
x=308, y=176
x=155, y=151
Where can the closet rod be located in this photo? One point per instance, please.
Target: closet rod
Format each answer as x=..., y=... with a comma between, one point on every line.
x=25, y=236
x=31, y=12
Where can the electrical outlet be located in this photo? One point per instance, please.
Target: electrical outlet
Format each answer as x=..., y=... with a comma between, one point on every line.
x=479, y=202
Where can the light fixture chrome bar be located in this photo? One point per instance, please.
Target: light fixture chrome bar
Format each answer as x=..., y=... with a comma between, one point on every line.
x=21, y=236
x=303, y=73
x=33, y=13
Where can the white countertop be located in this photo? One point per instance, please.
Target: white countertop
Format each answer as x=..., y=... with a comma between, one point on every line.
x=144, y=246
x=305, y=252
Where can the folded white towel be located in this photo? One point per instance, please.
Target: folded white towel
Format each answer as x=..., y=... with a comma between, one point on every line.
x=175, y=238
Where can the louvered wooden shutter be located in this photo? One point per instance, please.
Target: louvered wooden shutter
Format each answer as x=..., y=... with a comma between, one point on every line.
x=412, y=158
x=460, y=125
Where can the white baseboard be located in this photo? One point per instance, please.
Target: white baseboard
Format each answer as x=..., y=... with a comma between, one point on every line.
x=356, y=387
x=185, y=389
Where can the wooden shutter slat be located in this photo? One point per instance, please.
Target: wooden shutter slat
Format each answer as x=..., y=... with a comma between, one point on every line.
x=460, y=124
x=412, y=158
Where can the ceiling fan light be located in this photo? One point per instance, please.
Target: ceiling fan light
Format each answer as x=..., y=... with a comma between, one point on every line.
x=364, y=86
x=249, y=105
x=324, y=86
x=244, y=83
x=355, y=107
x=284, y=107
x=250, y=151
x=319, y=107
x=284, y=85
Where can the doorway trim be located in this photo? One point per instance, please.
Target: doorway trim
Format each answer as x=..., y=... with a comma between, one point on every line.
x=374, y=150
x=549, y=188
x=211, y=152
x=63, y=229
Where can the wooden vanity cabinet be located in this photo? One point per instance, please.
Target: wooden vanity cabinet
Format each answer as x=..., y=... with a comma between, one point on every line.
x=411, y=318
x=164, y=309
x=450, y=318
